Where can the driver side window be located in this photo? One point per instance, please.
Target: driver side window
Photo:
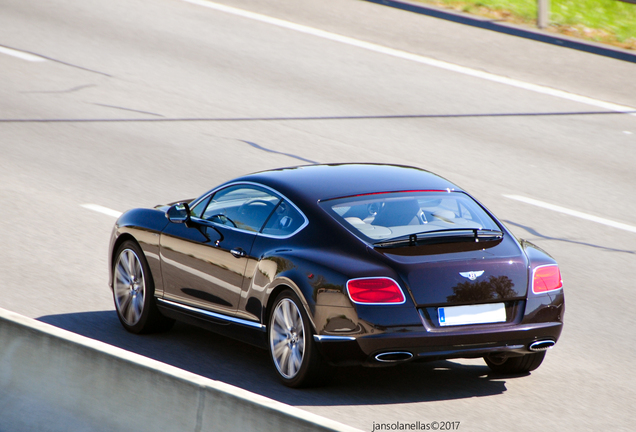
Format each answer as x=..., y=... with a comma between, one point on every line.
x=244, y=207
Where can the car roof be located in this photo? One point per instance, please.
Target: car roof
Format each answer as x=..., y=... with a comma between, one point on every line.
x=312, y=183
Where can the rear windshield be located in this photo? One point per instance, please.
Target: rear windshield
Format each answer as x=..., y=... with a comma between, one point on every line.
x=389, y=215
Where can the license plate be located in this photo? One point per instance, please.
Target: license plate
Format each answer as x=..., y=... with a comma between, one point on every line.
x=473, y=314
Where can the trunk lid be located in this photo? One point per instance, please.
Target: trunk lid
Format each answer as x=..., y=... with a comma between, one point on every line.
x=447, y=275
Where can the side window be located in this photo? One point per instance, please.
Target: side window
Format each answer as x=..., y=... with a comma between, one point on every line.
x=197, y=210
x=241, y=206
x=285, y=220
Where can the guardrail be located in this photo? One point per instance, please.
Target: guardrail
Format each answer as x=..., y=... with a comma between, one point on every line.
x=55, y=380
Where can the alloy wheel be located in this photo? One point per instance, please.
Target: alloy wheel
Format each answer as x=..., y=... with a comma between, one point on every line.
x=129, y=287
x=287, y=338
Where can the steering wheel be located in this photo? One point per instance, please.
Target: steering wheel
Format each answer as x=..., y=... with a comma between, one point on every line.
x=222, y=217
x=245, y=207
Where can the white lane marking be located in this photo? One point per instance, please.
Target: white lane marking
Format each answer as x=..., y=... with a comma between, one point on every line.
x=574, y=213
x=103, y=210
x=21, y=55
x=416, y=58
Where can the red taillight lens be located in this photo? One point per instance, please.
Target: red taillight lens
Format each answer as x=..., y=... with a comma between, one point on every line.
x=546, y=278
x=375, y=291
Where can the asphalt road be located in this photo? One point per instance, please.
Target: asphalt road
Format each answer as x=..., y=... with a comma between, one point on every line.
x=139, y=102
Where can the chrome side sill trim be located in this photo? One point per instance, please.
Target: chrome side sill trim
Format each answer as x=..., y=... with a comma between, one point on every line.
x=252, y=324
x=328, y=338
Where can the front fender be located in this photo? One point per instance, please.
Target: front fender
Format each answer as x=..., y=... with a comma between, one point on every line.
x=143, y=226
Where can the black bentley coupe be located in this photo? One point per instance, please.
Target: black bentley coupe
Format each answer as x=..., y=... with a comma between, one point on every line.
x=344, y=264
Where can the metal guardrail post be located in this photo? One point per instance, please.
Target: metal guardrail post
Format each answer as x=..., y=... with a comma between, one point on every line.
x=543, y=13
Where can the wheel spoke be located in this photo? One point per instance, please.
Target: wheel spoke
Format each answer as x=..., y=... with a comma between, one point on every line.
x=295, y=361
x=137, y=305
x=124, y=301
x=284, y=361
x=279, y=348
x=121, y=289
x=121, y=275
x=279, y=321
x=130, y=311
x=136, y=267
x=301, y=342
x=287, y=314
x=125, y=260
x=132, y=262
x=297, y=324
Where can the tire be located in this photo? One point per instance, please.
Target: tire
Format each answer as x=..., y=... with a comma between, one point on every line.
x=514, y=365
x=133, y=292
x=291, y=344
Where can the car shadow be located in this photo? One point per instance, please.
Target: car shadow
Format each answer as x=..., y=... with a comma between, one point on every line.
x=220, y=358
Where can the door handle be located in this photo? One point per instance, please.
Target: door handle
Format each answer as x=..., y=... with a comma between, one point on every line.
x=238, y=253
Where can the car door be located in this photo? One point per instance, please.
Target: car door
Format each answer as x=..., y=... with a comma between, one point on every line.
x=284, y=223
x=204, y=261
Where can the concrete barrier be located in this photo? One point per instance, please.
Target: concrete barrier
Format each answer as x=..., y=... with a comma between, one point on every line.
x=55, y=380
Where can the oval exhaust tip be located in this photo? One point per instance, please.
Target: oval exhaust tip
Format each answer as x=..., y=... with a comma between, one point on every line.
x=541, y=345
x=392, y=357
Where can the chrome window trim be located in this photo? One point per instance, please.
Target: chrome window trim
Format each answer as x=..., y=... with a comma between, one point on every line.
x=234, y=320
x=274, y=191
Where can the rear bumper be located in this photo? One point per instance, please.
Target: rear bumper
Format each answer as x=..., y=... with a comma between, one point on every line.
x=423, y=344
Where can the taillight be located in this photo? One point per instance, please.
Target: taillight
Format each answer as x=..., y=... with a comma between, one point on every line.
x=375, y=291
x=546, y=278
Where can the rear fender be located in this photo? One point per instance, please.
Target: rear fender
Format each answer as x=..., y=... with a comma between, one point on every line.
x=543, y=307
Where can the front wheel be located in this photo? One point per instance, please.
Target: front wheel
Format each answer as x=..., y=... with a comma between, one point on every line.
x=291, y=344
x=133, y=292
x=514, y=365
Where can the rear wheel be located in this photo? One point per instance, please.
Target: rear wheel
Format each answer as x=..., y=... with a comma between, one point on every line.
x=133, y=292
x=500, y=363
x=291, y=345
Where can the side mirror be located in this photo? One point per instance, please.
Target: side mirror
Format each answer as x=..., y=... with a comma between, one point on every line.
x=179, y=213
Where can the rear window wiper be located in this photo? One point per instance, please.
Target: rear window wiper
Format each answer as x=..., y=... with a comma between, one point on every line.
x=443, y=236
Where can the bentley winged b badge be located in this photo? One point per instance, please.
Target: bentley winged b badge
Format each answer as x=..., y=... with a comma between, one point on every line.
x=472, y=275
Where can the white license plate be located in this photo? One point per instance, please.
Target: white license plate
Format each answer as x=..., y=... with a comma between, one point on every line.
x=474, y=314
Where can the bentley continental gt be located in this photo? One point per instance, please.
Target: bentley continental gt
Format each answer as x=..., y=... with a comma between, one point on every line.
x=344, y=264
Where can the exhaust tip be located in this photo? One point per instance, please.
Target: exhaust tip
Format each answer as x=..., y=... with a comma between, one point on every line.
x=394, y=357
x=541, y=345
